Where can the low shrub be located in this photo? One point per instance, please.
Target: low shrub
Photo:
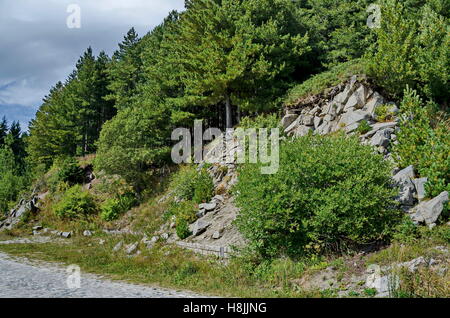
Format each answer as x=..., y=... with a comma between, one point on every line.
x=75, y=203
x=190, y=184
x=330, y=192
x=424, y=141
x=182, y=229
x=114, y=207
x=261, y=121
x=70, y=172
x=364, y=127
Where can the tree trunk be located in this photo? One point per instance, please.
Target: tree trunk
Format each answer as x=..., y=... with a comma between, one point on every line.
x=228, y=111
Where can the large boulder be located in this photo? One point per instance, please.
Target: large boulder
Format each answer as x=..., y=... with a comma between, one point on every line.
x=375, y=101
x=288, y=120
x=199, y=227
x=428, y=212
x=351, y=119
x=403, y=179
x=381, y=138
x=419, y=184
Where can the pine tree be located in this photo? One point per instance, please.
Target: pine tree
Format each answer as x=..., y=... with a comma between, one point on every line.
x=125, y=70
x=237, y=52
x=3, y=130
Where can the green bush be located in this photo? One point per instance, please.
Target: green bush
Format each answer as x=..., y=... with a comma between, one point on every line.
x=75, y=203
x=364, y=127
x=182, y=229
x=383, y=113
x=330, y=192
x=190, y=184
x=71, y=172
x=114, y=207
x=261, y=121
x=424, y=141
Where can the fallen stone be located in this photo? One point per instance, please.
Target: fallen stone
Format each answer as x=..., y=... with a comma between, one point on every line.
x=118, y=246
x=351, y=118
x=208, y=206
x=419, y=184
x=66, y=234
x=406, y=174
x=131, y=248
x=308, y=120
x=429, y=211
x=288, y=120
x=302, y=131
x=199, y=227
x=87, y=233
x=373, y=102
x=381, y=138
x=317, y=122
x=37, y=228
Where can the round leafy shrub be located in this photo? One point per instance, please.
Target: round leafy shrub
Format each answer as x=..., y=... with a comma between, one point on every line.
x=190, y=184
x=329, y=192
x=182, y=229
x=75, y=203
x=114, y=207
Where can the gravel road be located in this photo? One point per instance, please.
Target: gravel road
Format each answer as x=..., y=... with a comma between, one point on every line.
x=21, y=278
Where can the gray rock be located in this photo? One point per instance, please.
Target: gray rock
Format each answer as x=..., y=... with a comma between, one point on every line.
x=315, y=111
x=373, y=103
x=208, y=206
x=324, y=128
x=349, y=119
x=87, y=233
x=288, y=120
x=317, y=122
x=294, y=125
x=381, y=138
x=118, y=246
x=218, y=234
x=419, y=184
x=357, y=100
x=406, y=174
x=342, y=97
x=199, y=227
x=201, y=213
x=429, y=211
x=308, y=120
x=37, y=228
x=131, y=248
x=302, y=131
x=66, y=234
x=379, y=126
x=403, y=180
x=218, y=198
x=165, y=236
x=414, y=264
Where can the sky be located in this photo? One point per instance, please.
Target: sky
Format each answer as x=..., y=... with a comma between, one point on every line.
x=38, y=48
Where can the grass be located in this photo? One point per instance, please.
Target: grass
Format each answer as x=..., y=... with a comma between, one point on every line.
x=171, y=267
x=165, y=266
x=320, y=82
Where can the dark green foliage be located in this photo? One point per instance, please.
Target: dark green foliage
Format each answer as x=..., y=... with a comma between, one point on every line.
x=75, y=203
x=424, y=141
x=133, y=142
x=330, y=192
x=69, y=121
x=338, y=30
x=71, y=172
x=182, y=229
x=239, y=53
x=413, y=48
